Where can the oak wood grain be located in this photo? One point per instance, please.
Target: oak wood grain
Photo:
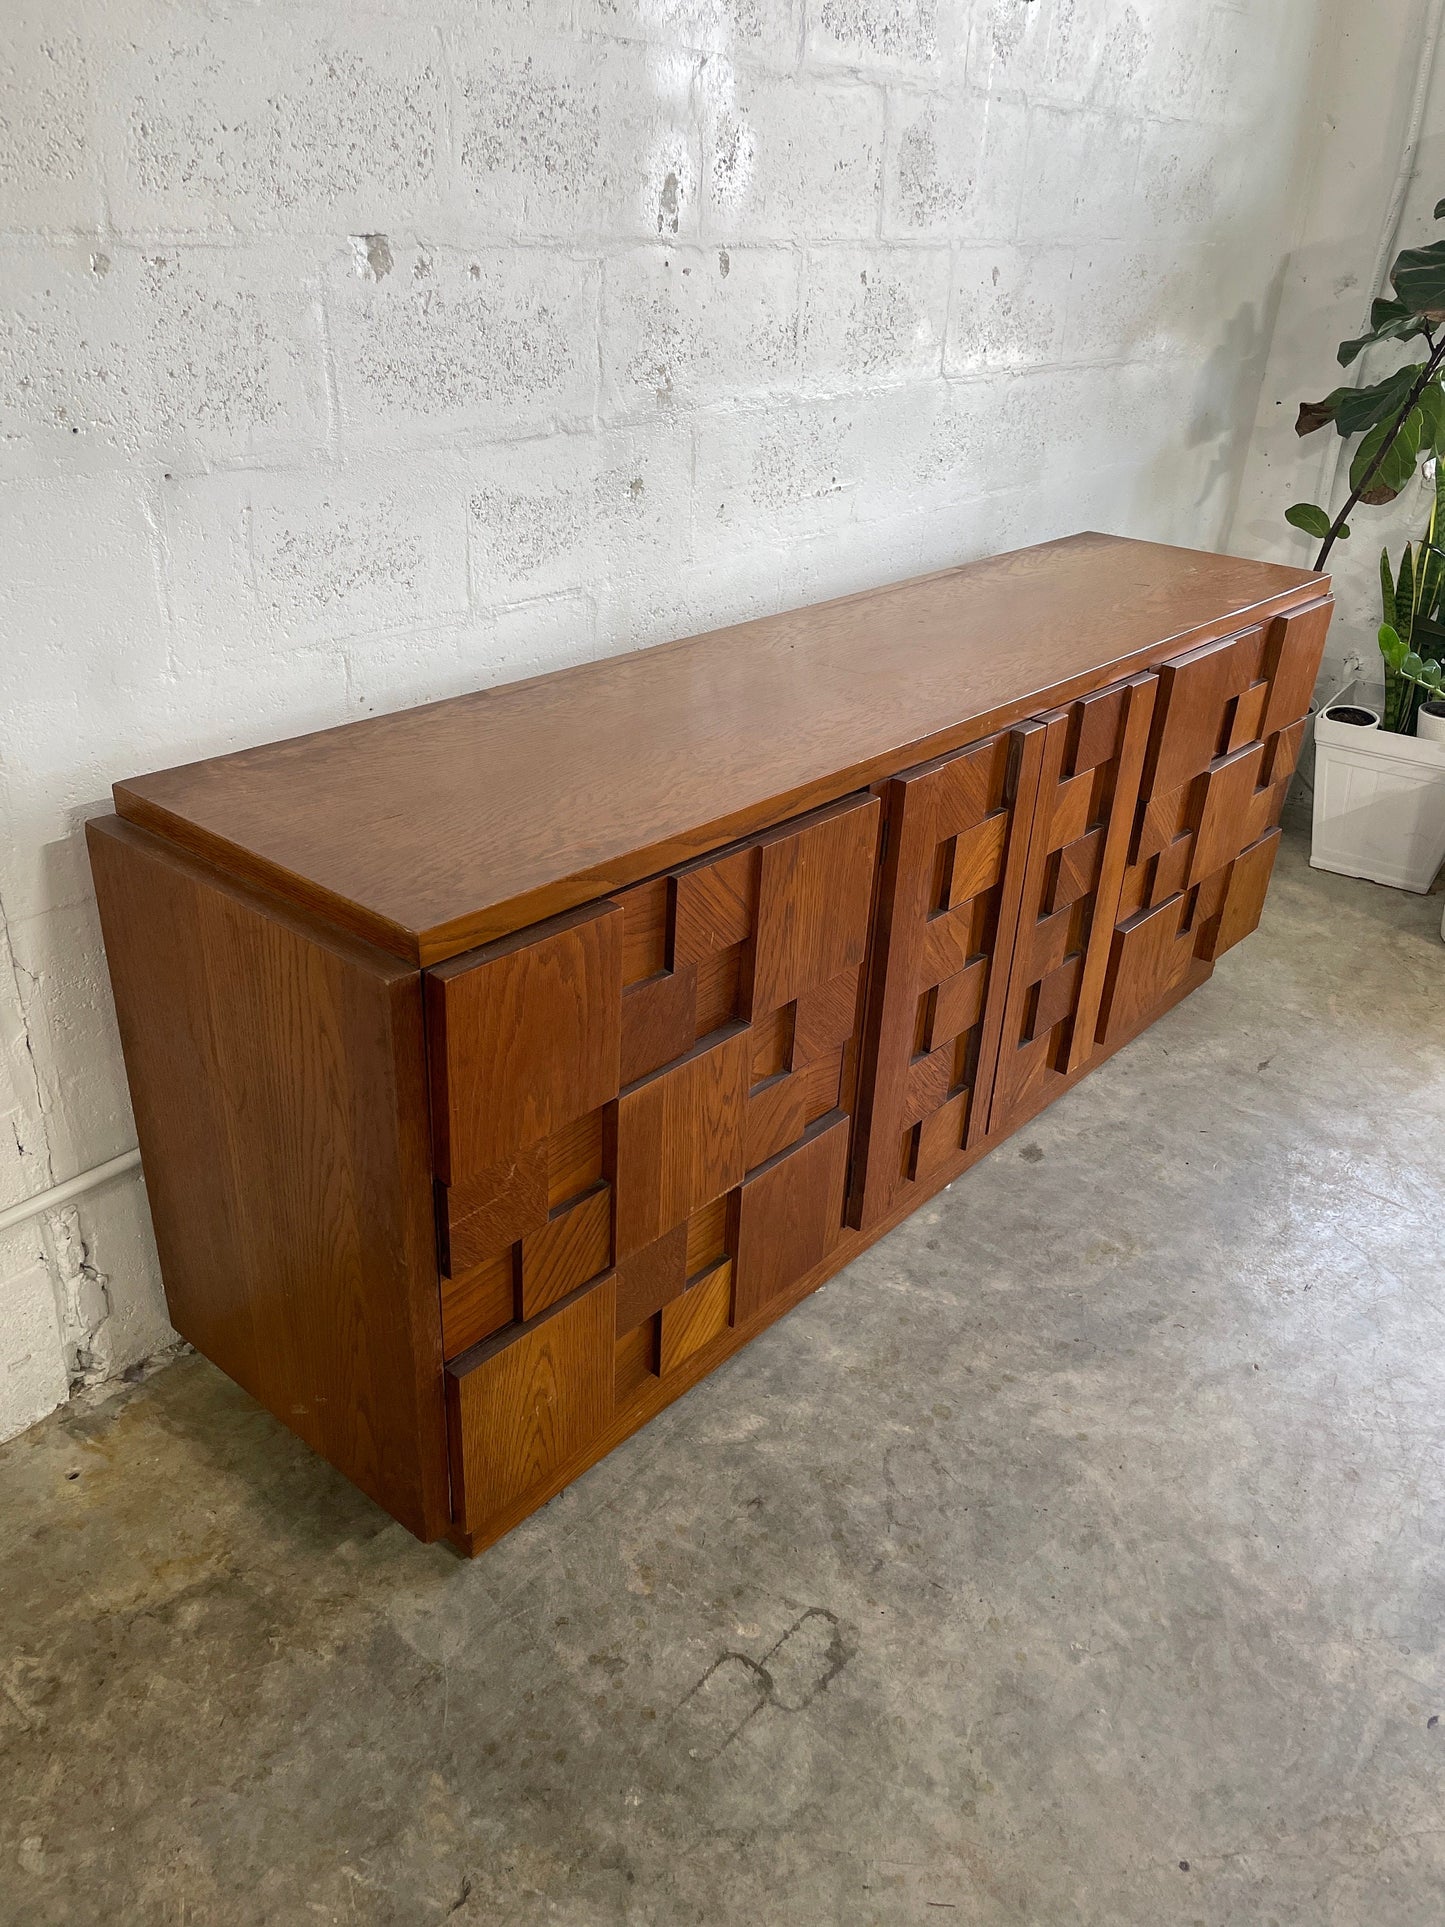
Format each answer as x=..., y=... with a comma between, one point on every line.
x=649, y=1393
x=525, y=1037
x=521, y=1406
x=442, y=827
x=277, y=1072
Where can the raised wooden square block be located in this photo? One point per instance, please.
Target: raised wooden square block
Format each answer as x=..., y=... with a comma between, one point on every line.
x=681, y=1139
x=524, y=1036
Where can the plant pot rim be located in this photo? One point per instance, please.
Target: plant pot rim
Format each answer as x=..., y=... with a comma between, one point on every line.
x=1380, y=745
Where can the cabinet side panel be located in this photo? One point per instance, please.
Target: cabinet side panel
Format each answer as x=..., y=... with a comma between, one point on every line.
x=277, y=1073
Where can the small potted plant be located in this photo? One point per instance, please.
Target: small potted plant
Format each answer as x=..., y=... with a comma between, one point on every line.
x=1379, y=802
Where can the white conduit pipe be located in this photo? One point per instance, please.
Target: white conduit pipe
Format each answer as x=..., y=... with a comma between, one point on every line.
x=59, y=1194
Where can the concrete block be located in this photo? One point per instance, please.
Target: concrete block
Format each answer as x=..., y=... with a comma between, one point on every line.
x=33, y=1378
x=48, y=160
x=261, y=564
x=1008, y=309
x=1125, y=298
x=785, y=157
x=891, y=34
x=84, y=620
x=858, y=554
x=220, y=122
x=1191, y=181
x=955, y=166
x=564, y=513
x=576, y=141
x=768, y=32
x=1023, y=49
x=183, y=354
x=873, y=316
x=497, y=342
x=735, y=581
x=774, y=474
x=527, y=639
x=682, y=327
x=1132, y=32
x=1079, y=176
x=77, y=1078
x=933, y=444
x=967, y=446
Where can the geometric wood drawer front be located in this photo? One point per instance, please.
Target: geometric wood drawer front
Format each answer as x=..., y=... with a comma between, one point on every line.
x=523, y=1409
x=683, y=1142
x=524, y=1038
x=482, y=1115
x=1228, y=724
x=953, y=872
x=1083, y=819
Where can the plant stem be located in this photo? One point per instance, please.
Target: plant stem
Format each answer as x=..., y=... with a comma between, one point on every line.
x=1427, y=375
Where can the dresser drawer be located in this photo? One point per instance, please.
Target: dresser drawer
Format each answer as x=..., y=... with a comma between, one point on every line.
x=642, y=1122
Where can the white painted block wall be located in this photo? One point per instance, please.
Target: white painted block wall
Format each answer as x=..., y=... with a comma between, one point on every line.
x=357, y=353
x=1375, y=78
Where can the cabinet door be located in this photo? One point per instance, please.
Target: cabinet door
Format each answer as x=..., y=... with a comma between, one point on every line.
x=957, y=843
x=1227, y=729
x=641, y=1128
x=1093, y=755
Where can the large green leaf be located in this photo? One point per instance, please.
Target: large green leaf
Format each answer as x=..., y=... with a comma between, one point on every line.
x=1389, y=321
x=1310, y=517
x=1392, y=648
x=1361, y=408
x=1315, y=414
x=1432, y=408
x=1401, y=452
x=1419, y=278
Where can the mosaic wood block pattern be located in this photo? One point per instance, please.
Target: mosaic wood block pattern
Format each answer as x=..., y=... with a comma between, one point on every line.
x=1083, y=818
x=1228, y=724
x=649, y=1100
x=501, y=1065
x=953, y=874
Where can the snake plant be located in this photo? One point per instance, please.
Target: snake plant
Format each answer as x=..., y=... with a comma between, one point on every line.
x=1413, y=605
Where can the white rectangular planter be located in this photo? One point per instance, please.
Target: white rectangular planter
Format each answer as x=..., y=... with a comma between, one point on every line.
x=1379, y=800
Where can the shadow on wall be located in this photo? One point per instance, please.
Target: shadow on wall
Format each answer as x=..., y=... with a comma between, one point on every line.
x=1232, y=371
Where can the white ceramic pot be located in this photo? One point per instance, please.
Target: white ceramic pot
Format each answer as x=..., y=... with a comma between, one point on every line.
x=1350, y=715
x=1430, y=729
x=1379, y=808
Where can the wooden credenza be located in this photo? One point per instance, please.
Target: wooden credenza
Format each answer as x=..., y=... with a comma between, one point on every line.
x=500, y=1066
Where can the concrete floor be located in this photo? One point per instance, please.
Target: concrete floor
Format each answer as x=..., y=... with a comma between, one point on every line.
x=1075, y=1557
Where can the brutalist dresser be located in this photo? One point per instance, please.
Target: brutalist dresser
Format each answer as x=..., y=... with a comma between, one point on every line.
x=500, y=1066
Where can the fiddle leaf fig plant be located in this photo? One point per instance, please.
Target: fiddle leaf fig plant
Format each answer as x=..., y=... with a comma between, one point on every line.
x=1399, y=419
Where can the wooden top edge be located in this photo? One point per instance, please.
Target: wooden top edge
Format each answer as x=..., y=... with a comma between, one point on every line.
x=430, y=830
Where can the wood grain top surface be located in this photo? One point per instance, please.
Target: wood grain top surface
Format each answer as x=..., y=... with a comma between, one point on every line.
x=437, y=828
